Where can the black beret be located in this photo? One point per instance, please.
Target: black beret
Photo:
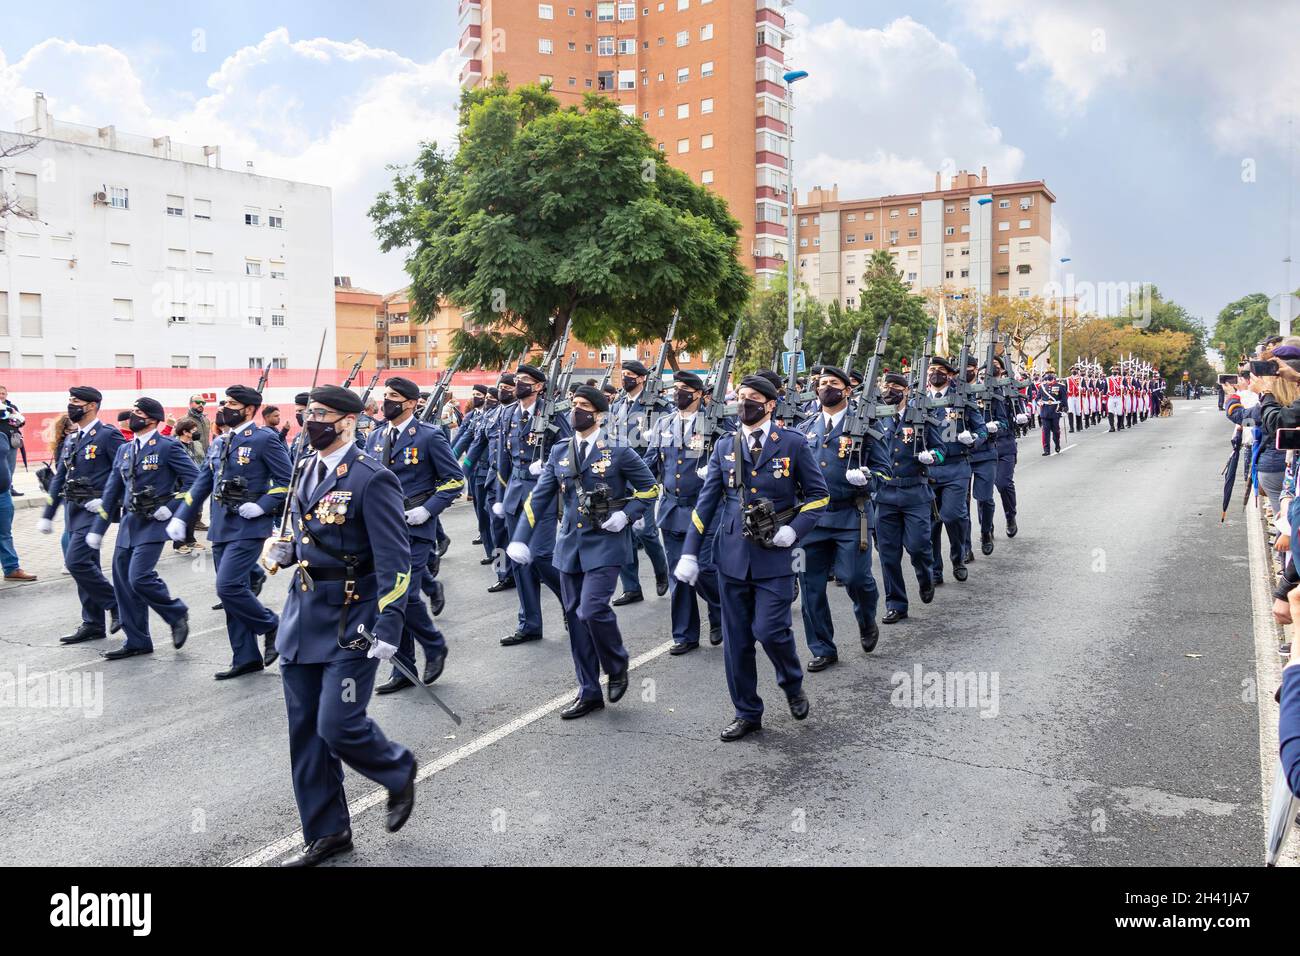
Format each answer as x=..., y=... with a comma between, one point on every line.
x=152, y=408
x=593, y=395
x=943, y=363
x=971, y=360
x=773, y=377
x=836, y=372
x=494, y=393
x=532, y=371
x=895, y=378
x=635, y=367
x=689, y=379
x=855, y=373
x=302, y=398
x=244, y=395
x=761, y=384
x=609, y=389
x=86, y=393
x=124, y=415
x=404, y=387
x=507, y=378
x=338, y=398
x=481, y=388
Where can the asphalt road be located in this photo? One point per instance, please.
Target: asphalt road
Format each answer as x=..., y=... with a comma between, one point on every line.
x=1115, y=629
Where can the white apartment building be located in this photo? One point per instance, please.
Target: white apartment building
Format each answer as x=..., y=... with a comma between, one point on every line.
x=123, y=251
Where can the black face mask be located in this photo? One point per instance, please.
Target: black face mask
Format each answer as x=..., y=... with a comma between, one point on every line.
x=583, y=419
x=629, y=383
x=392, y=409
x=477, y=401
x=830, y=396
x=684, y=399
x=137, y=423
x=229, y=417
x=938, y=379
x=298, y=415
x=507, y=397
x=76, y=413
x=752, y=412
x=891, y=396
x=523, y=390
x=322, y=434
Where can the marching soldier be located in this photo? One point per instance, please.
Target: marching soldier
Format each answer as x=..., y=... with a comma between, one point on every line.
x=904, y=500
x=149, y=478
x=984, y=473
x=762, y=469
x=79, y=481
x=676, y=459
x=1052, y=397
x=481, y=406
x=841, y=539
x=951, y=474
x=605, y=488
x=420, y=455
x=247, y=475
x=351, y=561
x=485, y=452
x=1009, y=420
x=632, y=418
x=523, y=455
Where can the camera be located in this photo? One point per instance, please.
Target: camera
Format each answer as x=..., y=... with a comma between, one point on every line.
x=232, y=492
x=595, y=504
x=145, y=503
x=79, y=491
x=760, y=522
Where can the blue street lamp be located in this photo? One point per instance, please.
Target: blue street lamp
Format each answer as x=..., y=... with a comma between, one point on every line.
x=979, y=267
x=791, y=78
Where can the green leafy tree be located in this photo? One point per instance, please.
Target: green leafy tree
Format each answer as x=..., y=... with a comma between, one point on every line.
x=1242, y=325
x=765, y=323
x=883, y=295
x=550, y=219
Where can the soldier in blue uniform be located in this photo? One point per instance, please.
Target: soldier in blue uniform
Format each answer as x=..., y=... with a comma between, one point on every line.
x=350, y=554
x=841, y=539
x=148, y=479
x=676, y=457
x=631, y=420
x=984, y=472
x=950, y=475
x=903, y=498
x=79, y=482
x=1052, y=397
x=485, y=452
x=246, y=473
x=471, y=429
x=1009, y=420
x=523, y=455
x=420, y=455
x=762, y=465
x=605, y=489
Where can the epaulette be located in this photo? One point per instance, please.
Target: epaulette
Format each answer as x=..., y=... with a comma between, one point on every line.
x=372, y=463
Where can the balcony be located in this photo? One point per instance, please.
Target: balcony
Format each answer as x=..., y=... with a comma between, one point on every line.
x=471, y=73
x=771, y=159
x=471, y=11
x=471, y=39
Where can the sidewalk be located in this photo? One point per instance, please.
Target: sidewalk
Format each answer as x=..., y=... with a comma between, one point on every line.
x=25, y=481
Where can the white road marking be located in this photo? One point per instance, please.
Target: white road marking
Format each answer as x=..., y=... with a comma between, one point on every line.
x=99, y=659
x=377, y=796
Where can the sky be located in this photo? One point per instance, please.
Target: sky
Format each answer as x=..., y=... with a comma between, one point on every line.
x=1164, y=129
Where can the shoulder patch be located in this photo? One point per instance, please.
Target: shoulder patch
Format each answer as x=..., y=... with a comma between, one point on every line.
x=371, y=463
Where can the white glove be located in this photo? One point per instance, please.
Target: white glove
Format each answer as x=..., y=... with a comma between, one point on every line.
x=381, y=650
x=45, y=526
x=688, y=569
x=702, y=471
x=856, y=477
x=93, y=541
x=1022, y=418
x=94, y=505
x=418, y=515
x=162, y=514
x=966, y=438
x=535, y=468
x=638, y=524
x=498, y=509
x=615, y=522
x=992, y=427
x=519, y=553
x=926, y=457
x=176, y=529
x=784, y=536
x=280, y=552
x=250, y=510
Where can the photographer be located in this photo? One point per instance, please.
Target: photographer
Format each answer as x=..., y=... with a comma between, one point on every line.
x=1244, y=410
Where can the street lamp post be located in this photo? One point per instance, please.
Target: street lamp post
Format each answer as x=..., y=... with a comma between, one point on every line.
x=791, y=79
x=1060, y=331
x=979, y=282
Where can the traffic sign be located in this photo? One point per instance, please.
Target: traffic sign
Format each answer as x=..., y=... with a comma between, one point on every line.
x=1275, y=306
x=785, y=362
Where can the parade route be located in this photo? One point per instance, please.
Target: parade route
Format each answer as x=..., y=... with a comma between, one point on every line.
x=1108, y=644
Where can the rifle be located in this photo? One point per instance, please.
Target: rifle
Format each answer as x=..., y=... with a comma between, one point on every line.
x=365, y=396
x=564, y=403
x=439, y=393
x=861, y=423
x=788, y=407
x=541, y=422
x=917, y=413
x=709, y=424
x=653, y=381
x=266, y=374
x=609, y=373
x=852, y=355
x=347, y=382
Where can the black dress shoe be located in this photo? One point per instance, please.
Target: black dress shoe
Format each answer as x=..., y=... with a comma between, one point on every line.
x=617, y=687
x=519, y=637
x=318, y=850
x=820, y=663
x=505, y=584
x=661, y=584
x=486, y=560
x=269, y=654
x=181, y=632
x=257, y=585
x=438, y=599
x=401, y=802
x=798, y=705
x=581, y=708
x=627, y=597
x=927, y=592
x=114, y=622
x=968, y=557
x=739, y=728
x=87, y=632
x=398, y=681
x=936, y=581
x=893, y=616
x=239, y=671
x=433, y=668
x=443, y=545
x=218, y=606
x=869, y=636
x=1046, y=454
x=959, y=572
x=986, y=542
x=1012, y=527
x=477, y=540
x=715, y=635
x=118, y=653
x=677, y=650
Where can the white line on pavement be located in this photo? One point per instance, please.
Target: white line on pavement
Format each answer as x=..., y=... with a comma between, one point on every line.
x=372, y=799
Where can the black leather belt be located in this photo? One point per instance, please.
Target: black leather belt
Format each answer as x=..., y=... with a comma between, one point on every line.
x=341, y=574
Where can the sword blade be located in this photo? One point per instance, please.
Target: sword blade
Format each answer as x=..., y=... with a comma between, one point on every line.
x=410, y=675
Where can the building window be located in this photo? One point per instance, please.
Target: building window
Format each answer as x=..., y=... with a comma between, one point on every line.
x=275, y=220
x=176, y=259
x=545, y=45
x=178, y=314
x=706, y=141
x=122, y=360
x=706, y=68
x=1024, y=293
x=803, y=243
x=1004, y=203
x=1025, y=223
x=684, y=74
x=965, y=229
x=851, y=217
x=604, y=12
x=683, y=146
x=1026, y=202
x=706, y=177
x=965, y=273
x=706, y=105
x=277, y=268
x=965, y=250
x=202, y=261
x=706, y=32
x=119, y=197
x=545, y=79
x=948, y=230
x=911, y=277
x=683, y=37
x=123, y=310
x=277, y=320
x=255, y=319
x=252, y=267
x=911, y=233
x=869, y=237
x=203, y=209
x=947, y=274
x=949, y=209
x=850, y=239
x=545, y=11
x=605, y=80
x=683, y=110
x=627, y=47
x=893, y=214
x=175, y=206
x=1003, y=248
x=604, y=46
x=252, y=216
x=119, y=253
x=1004, y=226
x=627, y=11
x=683, y=4
x=817, y=241
x=913, y=211
x=627, y=81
